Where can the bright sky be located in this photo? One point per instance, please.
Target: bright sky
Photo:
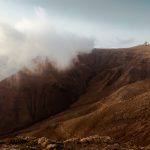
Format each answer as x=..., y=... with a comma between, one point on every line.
x=113, y=23
x=60, y=28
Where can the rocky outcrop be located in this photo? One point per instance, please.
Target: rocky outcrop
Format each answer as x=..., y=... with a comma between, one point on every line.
x=93, y=142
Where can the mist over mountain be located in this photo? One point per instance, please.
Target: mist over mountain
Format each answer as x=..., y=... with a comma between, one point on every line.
x=36, y=37
x=104, y=92
x=74, y=75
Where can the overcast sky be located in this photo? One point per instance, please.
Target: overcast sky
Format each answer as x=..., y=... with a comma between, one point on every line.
x=113, y=23
x=60, y=28
x=98, y=11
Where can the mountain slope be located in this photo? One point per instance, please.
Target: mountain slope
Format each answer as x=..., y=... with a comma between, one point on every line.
x=105, y=92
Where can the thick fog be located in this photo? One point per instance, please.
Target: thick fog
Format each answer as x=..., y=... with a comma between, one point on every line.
x=31, y=37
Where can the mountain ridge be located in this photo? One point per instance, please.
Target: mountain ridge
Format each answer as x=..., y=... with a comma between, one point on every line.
x=106, y=92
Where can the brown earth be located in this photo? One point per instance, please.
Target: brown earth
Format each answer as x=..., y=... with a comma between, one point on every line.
x=94, y=142
x=105, y=92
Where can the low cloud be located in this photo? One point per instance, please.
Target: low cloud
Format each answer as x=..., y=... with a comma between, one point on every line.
x=33, y=37
x=119, y=42
x=125, y=42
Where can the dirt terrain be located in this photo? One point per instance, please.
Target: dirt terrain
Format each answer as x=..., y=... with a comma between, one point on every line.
x=94, y=142
x=105, y=92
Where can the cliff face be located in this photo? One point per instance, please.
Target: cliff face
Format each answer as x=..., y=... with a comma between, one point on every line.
x=104, y=92
x=28, y=97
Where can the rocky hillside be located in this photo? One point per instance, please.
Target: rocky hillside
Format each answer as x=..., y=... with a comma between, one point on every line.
x=94, y=142
x=105, y=92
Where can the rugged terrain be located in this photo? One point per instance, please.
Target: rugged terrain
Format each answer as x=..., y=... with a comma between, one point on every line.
x=94, y=142
x=105, y=92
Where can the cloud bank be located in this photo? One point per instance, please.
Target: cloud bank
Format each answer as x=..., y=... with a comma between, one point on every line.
x=36, y=36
